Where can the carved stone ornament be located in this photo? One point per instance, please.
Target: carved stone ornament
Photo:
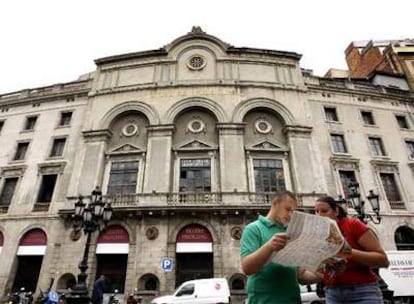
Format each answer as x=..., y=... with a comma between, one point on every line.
x=236, y=233
x=152, y=233
x=196, y=125
x=130, y=129
x=262, y=126
x=75, y=234
x=196, y=62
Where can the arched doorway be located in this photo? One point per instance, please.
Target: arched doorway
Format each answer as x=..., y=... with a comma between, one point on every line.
x=112, y=257
x=194, y=254
x=32, y=248
x=404, y=238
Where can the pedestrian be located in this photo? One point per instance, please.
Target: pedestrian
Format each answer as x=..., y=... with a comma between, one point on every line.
x=269, y=282
x=98, y=290
x=356, y=282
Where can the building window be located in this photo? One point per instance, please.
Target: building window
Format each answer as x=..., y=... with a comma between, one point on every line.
x=30, y=123
x=1, y=125
x=338, y=143
x=368, y=118
x=346, y=178
x=402, y=121
x=21, y=150
x=47, y=187
x=8, y=191
x=391, y=190
x=123, y=178
x=268, y=175
x=330, y=114
x=195, y=175
x=58, y=147
x=65, y=118
x=377, y=147
x=410, y=148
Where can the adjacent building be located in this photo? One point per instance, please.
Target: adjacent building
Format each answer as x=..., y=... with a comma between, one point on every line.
x=188, y=142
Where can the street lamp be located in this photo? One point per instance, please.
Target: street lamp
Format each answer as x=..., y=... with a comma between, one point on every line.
x=359, y=205
x=89, y=217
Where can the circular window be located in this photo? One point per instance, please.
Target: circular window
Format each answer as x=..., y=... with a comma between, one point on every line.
x=196, y=62
x=196, y=125
x=263, y=126
x=130, y=129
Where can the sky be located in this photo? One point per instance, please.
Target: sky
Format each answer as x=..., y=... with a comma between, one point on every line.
x=45, y=42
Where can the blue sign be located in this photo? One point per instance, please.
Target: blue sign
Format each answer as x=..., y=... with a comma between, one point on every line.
x=167, y=264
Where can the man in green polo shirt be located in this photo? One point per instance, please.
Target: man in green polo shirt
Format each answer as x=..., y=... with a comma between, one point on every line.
x=268, y=282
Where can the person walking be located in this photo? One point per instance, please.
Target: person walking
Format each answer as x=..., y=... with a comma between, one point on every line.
x=269, y=282
x=356, y=282
x=98, y=290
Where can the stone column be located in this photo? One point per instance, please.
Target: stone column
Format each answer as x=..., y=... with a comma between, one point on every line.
x=233, y=171
x=157, y=175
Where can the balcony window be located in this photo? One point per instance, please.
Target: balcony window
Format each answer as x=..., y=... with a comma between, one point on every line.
x=58, y=147
x=368, y=118
x=8, y=191
x=330, y=114
x=346, y=177
x=65, y=118
x=410, y=148
x=47, y=188
x=123, y=178
x=21, y=151
x=391, y=190
x=377, y=147
x=402, y=121
x=30, y=123
x=195, y=175
x=1, y=125
x=269, y=175
x=338, y=143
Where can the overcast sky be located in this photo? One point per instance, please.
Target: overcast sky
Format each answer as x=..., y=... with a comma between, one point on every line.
x=43, y=42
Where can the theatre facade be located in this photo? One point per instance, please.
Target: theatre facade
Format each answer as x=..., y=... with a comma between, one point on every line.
x=188, y=143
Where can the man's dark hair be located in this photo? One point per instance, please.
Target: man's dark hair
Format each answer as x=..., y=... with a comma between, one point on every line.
x=284, y=194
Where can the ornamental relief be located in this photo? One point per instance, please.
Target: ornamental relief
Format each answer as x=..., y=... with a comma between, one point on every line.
x=236, y=232
x=152, y=233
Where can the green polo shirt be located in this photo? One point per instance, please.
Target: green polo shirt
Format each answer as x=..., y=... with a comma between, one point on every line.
x=273, y=283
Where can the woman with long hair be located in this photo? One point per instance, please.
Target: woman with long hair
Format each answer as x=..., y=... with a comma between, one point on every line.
x=355, y=280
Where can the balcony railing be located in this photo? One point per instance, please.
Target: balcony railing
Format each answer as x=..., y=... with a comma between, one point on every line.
x=194, y=198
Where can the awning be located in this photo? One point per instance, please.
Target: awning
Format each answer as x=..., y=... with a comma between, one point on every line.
x=113, y=240
x=194, y=247
x=32, y=243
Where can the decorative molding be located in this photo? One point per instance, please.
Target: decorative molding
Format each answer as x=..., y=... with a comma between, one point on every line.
x=13, y=170
x=160, y=130
x=97, y=135
x=51, y=167
x=345, y=163
x=196, y=62
x=297, y=131
x=152, y=233
x=130, y=129
x=262, y=126
x=236, y=233
x=196, y=125
x=386, y=166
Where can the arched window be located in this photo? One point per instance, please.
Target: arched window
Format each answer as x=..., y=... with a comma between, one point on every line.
x=404, y=238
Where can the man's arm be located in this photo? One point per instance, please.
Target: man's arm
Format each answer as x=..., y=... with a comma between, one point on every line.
x=306, y=277
x=254, y=261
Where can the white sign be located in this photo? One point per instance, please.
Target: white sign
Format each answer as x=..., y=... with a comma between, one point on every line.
x=167, y=264
x=400, y=273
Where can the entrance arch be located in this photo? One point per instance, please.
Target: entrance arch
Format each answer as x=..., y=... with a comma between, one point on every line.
x=32, y=248
x=194, y=253
x=112, y=257
x=404, y=238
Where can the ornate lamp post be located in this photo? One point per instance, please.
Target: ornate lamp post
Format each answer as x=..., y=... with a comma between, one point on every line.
x=359, y=205
x=89, y=217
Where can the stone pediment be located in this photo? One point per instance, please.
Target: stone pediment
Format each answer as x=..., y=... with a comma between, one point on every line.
x=127, y=148
x=195, y=145
x=267, y=145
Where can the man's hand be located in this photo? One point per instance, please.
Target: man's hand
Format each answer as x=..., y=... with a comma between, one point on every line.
x=277, y=242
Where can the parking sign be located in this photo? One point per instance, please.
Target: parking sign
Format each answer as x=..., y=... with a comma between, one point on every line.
x=167, y=264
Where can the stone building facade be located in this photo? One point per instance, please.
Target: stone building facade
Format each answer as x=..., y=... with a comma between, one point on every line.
x=188, y=143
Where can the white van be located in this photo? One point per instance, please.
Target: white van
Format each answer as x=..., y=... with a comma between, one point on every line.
x=202, y=291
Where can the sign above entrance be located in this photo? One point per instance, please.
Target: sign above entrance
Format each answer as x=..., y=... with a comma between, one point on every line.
x=194, y=233
x=113, y=240
x=32, y=243
x=194, y=238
